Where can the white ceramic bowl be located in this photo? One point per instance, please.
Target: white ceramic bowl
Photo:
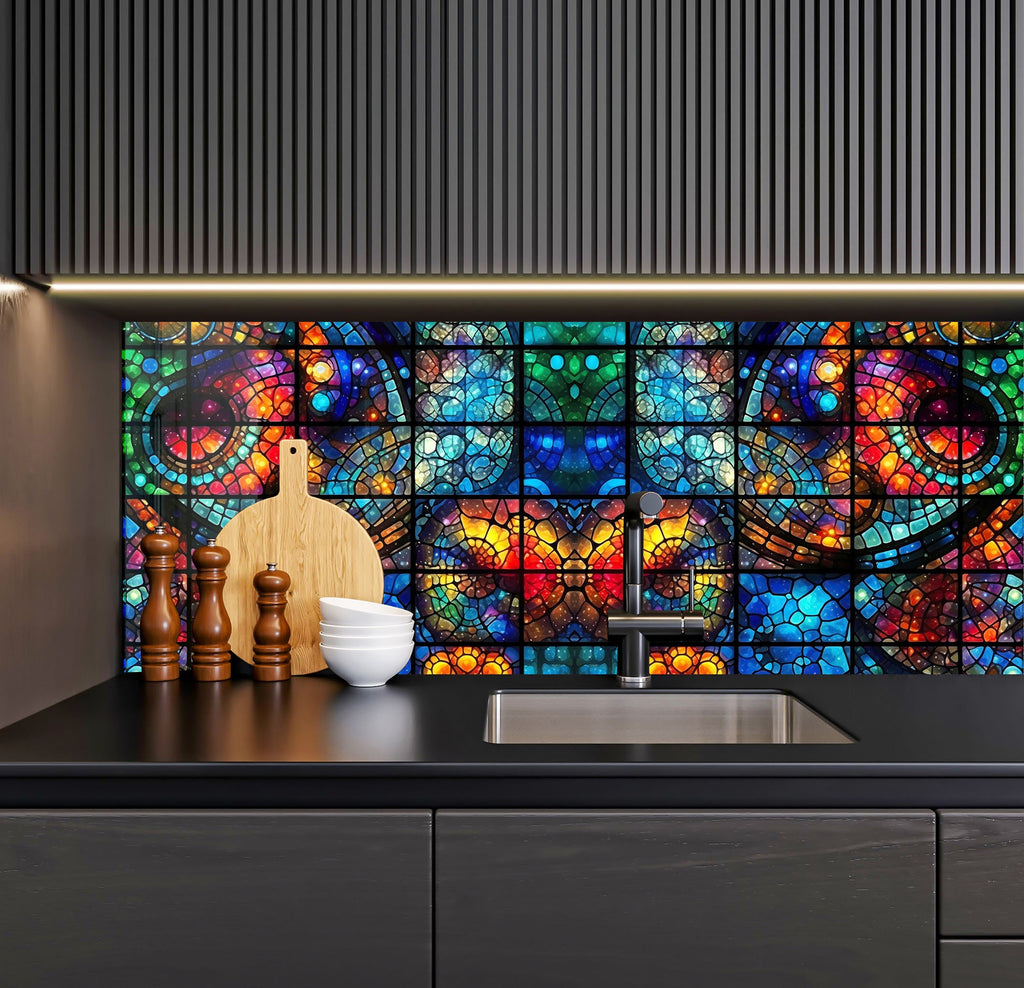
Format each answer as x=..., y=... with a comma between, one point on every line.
x=346, y=610
x=373, y=641
x=390, y=628
x=366, y=666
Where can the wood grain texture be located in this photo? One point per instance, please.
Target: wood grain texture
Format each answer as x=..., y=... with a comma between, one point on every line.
x=262, y=899
x=604, y=898
x=323, y=548
x=981, y=963
x=981, y=864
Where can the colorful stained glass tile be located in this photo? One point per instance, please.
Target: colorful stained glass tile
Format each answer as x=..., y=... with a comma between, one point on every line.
x=683, y=459
x=155, y=334
x=915, y=385
x=784, y=660
x=906, y=533
x=574, y=386
x=799, y=461
x=896, y=333
x=155, y=459
x=398, y=590
x=153, y=386
x=210, y=514
x=698, y=531
x=989, y=660
x=239, y=460
x=572, y=534
x=715, y=594
x=569, y=606
x=134, y=595
x=467, y=607
x=793, y=608
x=775, y=334
x=993, y=607
x=682, y=333
x=357, y=335
x=993, y=533
x=906, y=461
x=369, y=386
x=467, y=333
x=993, y=384
x=465, y=385
x=1005, y=333
x=467, y=460
x=783, y=532
x=880, y=658
x=684, y=385
x=574, y=460
x=993, y=461
x=684, y=660
x=468, y=534
x=141, y=516
x=261, y=334
x=242, y=385
x=467, y=660
x=360, y=461
x=574, y=333
x=789, y=386
x=906, y=607
x=388, y=520
x=565, y=660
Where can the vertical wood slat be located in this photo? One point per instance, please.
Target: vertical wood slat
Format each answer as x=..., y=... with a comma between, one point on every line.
x=549, y=136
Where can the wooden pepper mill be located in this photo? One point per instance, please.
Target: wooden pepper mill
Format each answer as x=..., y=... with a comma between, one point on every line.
x=271, y=651
x=160, y=623
x=211, y=626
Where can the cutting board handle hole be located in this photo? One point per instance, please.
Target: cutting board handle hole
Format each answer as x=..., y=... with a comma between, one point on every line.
x=292, y=450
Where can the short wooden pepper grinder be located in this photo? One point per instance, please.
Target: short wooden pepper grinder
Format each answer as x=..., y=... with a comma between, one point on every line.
x=271, y=651
x=160, y=623
x=211, y=626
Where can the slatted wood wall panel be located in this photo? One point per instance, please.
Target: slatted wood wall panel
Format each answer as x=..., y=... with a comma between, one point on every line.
x=555, y=136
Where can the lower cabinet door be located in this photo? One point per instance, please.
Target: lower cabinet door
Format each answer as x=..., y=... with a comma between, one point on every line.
x=607, y=898
x=981, y=963
x=190, y=899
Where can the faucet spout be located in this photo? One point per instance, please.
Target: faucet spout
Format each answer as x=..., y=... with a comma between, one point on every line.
x=633, y=626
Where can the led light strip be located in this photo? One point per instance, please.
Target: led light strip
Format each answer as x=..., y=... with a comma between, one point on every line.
x=553, y=285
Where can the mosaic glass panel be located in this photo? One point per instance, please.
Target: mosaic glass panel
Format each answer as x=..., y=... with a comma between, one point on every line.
x=850, y=491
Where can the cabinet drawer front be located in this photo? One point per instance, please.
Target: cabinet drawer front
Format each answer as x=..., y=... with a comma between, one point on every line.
x=981, y=963
x=605, y=898
x=168, y=899
x=981, y=873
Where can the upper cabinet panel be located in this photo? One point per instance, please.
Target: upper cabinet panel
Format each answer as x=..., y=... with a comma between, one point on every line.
x=515, y=136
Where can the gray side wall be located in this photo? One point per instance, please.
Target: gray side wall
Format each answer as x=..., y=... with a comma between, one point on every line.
x=60, y=476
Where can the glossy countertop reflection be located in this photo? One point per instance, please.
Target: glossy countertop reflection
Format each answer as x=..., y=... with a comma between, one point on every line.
x=420, y=741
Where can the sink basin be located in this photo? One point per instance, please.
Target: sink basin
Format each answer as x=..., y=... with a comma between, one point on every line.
x=656, y=717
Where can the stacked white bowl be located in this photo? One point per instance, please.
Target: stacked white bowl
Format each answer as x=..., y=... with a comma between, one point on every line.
x=362, y=642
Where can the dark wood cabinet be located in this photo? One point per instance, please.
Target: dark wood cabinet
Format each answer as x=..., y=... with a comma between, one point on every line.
x=981, y=963
x=982, y=868
x=610, y=898
x=170, y=899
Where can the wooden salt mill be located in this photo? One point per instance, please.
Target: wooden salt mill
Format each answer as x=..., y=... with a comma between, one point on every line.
x=271, y=651
x=160, y=623
x=211, y=626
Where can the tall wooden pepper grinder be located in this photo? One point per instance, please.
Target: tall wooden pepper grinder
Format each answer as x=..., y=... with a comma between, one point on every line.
x=211, y=626
x=271, y=651
x=160, y=623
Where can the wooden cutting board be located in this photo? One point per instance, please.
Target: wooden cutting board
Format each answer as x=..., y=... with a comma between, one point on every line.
x=325, y=551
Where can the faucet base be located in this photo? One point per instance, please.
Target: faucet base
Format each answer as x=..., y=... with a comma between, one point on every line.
x=635, y=682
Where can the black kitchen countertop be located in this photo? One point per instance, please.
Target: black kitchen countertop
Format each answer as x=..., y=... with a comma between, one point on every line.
x=921, y=741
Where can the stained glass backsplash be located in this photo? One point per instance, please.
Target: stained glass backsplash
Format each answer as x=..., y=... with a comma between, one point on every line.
x=850, y=492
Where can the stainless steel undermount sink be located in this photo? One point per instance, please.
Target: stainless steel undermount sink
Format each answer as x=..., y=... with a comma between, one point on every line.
x=656, y=717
